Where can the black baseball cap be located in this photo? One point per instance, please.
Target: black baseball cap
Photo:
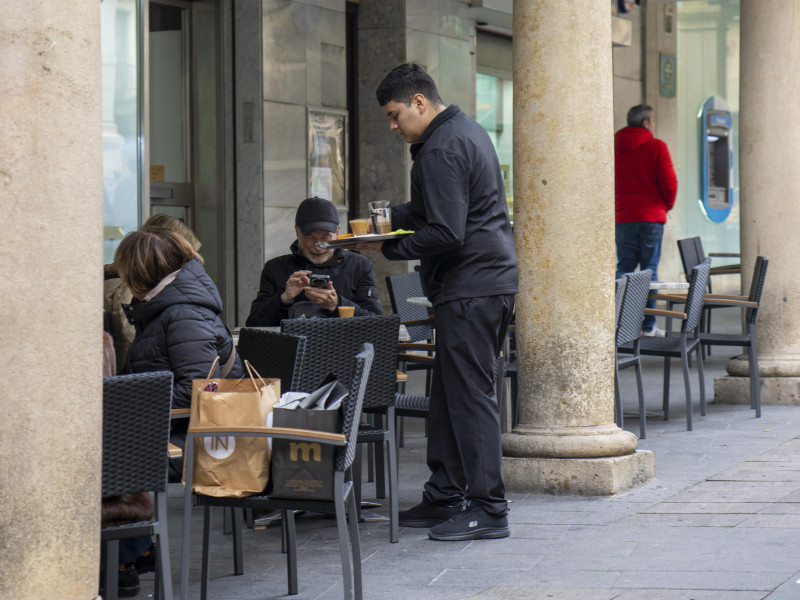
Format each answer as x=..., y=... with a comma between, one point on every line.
x=315, y=214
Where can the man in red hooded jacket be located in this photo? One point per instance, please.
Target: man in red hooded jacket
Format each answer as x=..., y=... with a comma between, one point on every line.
x=646, y=186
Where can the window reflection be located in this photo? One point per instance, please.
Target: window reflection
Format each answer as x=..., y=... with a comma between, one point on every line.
x=494, y=111
x=120, y=122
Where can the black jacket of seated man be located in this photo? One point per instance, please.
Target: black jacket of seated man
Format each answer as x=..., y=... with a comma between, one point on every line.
x=351, y=276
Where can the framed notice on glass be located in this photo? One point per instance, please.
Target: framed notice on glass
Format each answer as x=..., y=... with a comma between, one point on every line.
x=327, y=154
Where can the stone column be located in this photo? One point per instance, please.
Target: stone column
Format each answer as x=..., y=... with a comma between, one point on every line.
x=564, y=227
x=770, y=219
x=51, y=299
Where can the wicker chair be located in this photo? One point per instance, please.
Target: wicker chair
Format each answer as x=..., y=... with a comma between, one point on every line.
x=631, y=299
x=683, y=344
x=328, y=344
x=342, y=503
x=273, y=354
x=692, y=254
x=136, y=414
x=747, y=339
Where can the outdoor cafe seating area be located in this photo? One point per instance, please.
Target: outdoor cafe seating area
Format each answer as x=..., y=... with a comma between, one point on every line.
x=387, y=380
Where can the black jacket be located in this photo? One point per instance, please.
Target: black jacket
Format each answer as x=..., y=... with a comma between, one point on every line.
x=458, y=213
x=351, y=275
x=180, y=330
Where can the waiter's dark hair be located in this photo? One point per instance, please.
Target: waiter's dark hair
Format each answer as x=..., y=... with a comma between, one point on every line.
x=403, y=82
x=638, y=113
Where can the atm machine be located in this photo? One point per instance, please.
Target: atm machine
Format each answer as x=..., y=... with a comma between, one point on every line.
x=716, y=155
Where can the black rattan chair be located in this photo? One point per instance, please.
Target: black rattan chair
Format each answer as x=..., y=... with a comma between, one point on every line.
x=683, y=344
x=692, y=254
x=136, y=415
x=273, y=354
x=342, y=503
x=328, y=344
x=631, y=299
x=747, y=339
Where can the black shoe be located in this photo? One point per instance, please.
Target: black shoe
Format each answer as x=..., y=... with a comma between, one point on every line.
x=146, y=563
x=472, y=524
x=128, y=584
x=426, y=514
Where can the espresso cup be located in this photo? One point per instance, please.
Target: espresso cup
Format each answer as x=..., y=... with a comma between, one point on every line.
x=358, y=226
x=347, y=311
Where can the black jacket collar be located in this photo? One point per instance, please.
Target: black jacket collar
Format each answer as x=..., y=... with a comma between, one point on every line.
x=447, y=114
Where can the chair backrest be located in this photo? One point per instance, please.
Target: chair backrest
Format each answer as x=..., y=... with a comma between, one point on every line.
x=274, y=354
x=619, y=291
x=401, y=287
x=756, y=288
x=690, y=254
x=136, y=412
x=695, y=296
x=331, y=343
x=634, y=301
x=352, y=405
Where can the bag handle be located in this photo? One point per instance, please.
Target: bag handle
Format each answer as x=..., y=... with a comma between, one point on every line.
x=211, y=371
x=250, y=370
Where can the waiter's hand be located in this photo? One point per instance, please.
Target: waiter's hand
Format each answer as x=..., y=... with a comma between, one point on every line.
x=324, y=297
x=296, y=283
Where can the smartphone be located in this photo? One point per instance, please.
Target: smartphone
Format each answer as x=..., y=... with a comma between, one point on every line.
x=319, y=281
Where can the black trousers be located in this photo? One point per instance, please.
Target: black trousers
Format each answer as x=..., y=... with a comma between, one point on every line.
x=464, y=449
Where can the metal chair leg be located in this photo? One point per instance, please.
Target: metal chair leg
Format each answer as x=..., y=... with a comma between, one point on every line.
x=204, y=577
x=289, y=538
x=355, y=544
x=701, y=378
x=665, y=400
x=344, y=551
x=640, y=390
x=238, y=560
x=685, y=366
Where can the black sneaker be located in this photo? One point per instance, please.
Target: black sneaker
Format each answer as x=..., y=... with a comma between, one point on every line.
x=146, y=563
x=128, y=583
x=472, y=524
x=426, y=514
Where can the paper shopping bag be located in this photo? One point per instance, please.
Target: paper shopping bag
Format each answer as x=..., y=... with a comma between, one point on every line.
x=224, y=465
x=305, y=470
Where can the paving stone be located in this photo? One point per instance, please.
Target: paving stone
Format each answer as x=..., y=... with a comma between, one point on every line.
x=735, y=491
x=709, y=507
x=687, y=520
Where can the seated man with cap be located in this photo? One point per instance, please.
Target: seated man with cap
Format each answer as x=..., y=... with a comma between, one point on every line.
x=285, y=290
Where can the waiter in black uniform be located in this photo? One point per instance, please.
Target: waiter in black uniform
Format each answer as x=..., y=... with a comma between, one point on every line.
x=463, y=239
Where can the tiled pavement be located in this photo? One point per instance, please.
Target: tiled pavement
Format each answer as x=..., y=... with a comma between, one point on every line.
x=720, y=521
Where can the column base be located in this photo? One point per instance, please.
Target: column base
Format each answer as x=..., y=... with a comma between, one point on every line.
x=583, y=476
x=784, y=391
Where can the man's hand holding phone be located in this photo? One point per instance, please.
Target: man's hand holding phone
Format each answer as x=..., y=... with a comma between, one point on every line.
x=320, y=291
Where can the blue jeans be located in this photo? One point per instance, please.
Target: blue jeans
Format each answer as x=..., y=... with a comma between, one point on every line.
x=639, y=245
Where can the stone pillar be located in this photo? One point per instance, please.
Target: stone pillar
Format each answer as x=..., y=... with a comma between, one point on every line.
x=564, y=227
x=769, y=88
x=51, y=300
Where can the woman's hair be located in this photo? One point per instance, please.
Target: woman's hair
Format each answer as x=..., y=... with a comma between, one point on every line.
x=145, y=257
x=165, y=221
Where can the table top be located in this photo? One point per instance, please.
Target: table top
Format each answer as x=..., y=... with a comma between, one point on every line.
x=669, y=285
x=419, y=301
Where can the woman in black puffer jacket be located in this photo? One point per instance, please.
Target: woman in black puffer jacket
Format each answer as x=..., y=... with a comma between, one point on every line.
x=176, y=311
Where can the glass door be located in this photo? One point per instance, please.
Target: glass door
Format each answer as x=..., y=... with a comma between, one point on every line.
x=170, y=139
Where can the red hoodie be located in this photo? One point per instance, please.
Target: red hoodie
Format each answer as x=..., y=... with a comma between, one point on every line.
x=646, y=184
